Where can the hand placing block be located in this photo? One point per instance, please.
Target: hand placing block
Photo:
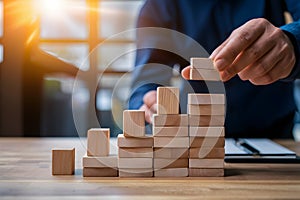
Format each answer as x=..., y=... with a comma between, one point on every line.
x=202, y=63
x=204, y=74
x=98, y=142
x=167, y=100
x=63, y=161
x=134, y=123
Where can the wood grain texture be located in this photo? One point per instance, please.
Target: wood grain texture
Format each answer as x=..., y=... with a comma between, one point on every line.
x=135, y=152
x=212, y=131
x=194, y=172
x=207, y=152
x=100, y=162
x=171, y=153
x=99, y=172
x=63, y=161
x=140, y=173
x=206, y=99
x=146, y=141
x=98, y=142
x=134, y=123
x=204, y=74
x=206, y=120
x=167, y=100
x=171, y=172
x=163, y=163
x=202, y=63
x=209, y=142
x=206, y=163
x=171, y=142
x=170, y=120
x=135, y=163
x=181, y=131
x=215, y=109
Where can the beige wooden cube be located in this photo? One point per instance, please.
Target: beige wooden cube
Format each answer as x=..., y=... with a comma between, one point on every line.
x=202, y=63
x=167, y=100
x=63, y=161
x=134, y=123
x=98, y=142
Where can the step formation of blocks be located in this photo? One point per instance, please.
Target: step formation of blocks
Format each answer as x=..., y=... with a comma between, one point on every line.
x=171, y=137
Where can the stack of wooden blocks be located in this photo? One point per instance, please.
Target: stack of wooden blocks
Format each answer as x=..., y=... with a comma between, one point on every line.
x=98, y=162
x=170, y=133
x=206, y=124
x=135, y=148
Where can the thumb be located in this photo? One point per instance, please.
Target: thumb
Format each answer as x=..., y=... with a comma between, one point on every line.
x=185, y=73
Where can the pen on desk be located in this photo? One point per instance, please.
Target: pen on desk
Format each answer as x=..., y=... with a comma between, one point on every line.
x=247, y=147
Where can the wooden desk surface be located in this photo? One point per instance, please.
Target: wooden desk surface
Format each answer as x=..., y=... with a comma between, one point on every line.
x=25, y=173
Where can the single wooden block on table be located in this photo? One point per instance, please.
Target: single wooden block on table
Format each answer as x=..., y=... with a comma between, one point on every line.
x=171, y=142
x=180, y=131
x=206, y=99
x=162, y=163
x=135, y=163
x=204, y=74
x=170, y=120
x=215, y=109
x=206, y=120
x=136, y=172
x=98, y=142
x=135, y=152
x=206, y=163
x=212, y=131
x=100, y=162
x=167, y=100
x=134, y=123
x=205, y=152
x=146, y=141
x=63, y=161
x=99, y=172
x=209, y=142
x=171, y=172
x=202, y=63
x=171, y=153
x=194, y=172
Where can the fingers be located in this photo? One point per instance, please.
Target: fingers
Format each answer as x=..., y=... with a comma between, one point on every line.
x=148, y=113
x=186, y=72
x=150, y=99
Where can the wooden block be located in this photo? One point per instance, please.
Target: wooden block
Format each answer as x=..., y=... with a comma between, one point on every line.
x=171, y=172
x=135, y=163
x=135, y=152
x=212, y=131
x=100, y=162
x=206, y=163
x=167, y=100
x=134, y=123
x=99, y=172
x=181, y=131
x=162, y=163
x=210, y=142
x=206, y=99
x=171, y=142
x=146, y=141
x=206, y=120
x=98, y=142
x=136, y=172
x=204, y=74
x=194, y=172
x=215, y=109
x=63, y=161
x=207, y=152
x=202, y=63
x=171, y=153
x=170, y=120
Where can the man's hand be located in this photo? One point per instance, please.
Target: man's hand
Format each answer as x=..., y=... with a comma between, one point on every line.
x=257, y=51
x=149, y=106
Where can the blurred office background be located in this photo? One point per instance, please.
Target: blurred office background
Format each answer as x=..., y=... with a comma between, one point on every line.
x=42, y=45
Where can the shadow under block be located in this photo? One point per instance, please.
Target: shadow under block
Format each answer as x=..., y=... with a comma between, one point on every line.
x=146, y=141
x=162, y=163
x=171, y=153
x=204, y=74
x=135, y=163
x=99, y=172
x=171, y=172
x=134, y=123
x=206, y=120
x=167, y=100
x=194, y=172
x=206, y=99
x=171, y=142
x=203, y=152
x=135, y=152
x=180, y=131
x=136, y=172
x=170, y=120
x=202, y=63
x=98, y=142
x=63, y=161
x=215, y=109
x=206, y=163
x=212, y=131
x=100, y=162
x=209, y=142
